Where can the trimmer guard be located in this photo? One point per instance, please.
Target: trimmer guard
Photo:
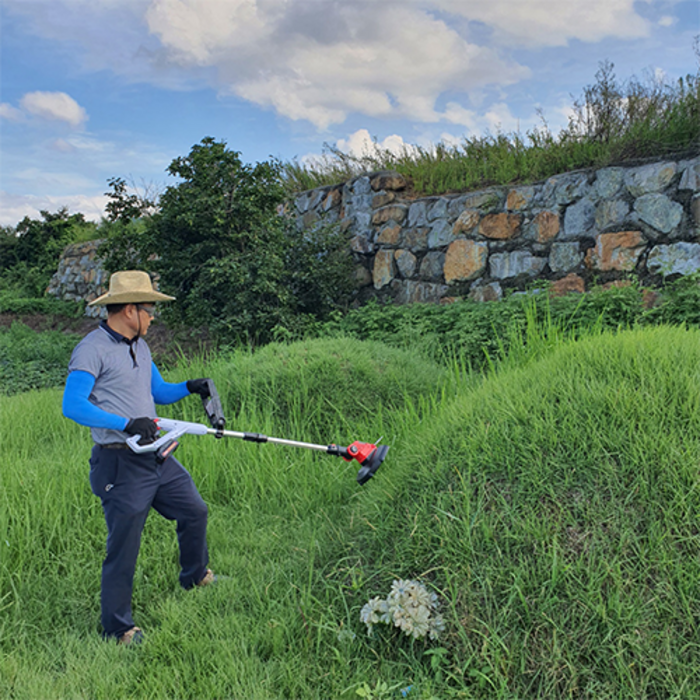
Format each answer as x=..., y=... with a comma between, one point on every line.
x=371, y=464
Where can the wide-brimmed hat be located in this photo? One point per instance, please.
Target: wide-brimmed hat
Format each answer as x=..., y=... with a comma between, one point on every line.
x=130, y=287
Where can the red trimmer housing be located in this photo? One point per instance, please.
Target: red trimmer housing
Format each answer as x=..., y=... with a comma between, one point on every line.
x=369, y=456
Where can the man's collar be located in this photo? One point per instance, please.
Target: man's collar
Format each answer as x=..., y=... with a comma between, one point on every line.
x=115, y=334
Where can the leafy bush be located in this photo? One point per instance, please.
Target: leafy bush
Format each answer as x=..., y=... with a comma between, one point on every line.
x=12, y=303
x=29, y=252
x=680, y=304
x=480, y=332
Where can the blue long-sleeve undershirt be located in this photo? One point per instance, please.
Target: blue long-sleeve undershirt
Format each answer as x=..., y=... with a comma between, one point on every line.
x=164, y=392
x=78, y=407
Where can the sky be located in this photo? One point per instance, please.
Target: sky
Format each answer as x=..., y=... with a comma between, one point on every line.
x=96, y=89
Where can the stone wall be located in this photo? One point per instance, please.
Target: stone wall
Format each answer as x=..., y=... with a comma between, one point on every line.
x=80, y=276
x=576, y=230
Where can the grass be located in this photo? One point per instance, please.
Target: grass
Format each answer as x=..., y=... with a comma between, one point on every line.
x=12, y=302
x=270, y=515
x=553, y=504
x=556, y=507
x=31, y=360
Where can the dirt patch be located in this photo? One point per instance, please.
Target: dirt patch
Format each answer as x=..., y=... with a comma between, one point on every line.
x=42, y=322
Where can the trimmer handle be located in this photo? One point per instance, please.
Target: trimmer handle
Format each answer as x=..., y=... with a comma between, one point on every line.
x=214, y=409
x=174, y=429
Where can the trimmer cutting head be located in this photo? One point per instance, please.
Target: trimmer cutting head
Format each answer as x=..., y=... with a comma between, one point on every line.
x=369, y=456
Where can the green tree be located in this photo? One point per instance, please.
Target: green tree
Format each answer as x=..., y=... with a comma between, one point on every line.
x=8, y=247
x=223, y=247
x=30, y=252
x=125, y=229
x=123, y=206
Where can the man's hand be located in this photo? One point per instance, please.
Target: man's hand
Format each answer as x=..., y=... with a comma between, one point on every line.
x=199, y=386
x=147, y=428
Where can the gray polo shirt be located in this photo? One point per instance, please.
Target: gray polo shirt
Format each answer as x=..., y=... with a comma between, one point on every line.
x=122, y=381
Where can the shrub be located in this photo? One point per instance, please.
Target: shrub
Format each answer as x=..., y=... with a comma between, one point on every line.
x=480, y=332
x=30, y=251
x=12, y=303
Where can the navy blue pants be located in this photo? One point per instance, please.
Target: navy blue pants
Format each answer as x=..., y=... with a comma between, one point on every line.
x=129, y=485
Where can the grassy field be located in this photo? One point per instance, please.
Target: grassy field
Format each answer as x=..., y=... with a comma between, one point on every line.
x=552, y=504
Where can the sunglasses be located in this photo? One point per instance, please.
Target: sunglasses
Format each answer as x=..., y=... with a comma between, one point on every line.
x=150, y=310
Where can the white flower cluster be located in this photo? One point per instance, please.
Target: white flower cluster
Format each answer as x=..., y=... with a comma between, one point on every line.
x=409, y=606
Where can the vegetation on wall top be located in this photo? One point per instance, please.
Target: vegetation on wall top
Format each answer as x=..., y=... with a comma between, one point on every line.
x=611, y=122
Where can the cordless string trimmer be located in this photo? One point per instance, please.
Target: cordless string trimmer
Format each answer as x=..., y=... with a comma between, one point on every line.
x=369, y=456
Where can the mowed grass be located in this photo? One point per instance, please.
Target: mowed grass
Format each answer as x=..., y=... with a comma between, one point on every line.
x=553, y=505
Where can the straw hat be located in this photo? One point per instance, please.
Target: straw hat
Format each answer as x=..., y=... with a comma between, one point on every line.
x=130, y=287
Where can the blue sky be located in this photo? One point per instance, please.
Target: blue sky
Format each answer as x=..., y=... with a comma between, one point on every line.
x=94, y=89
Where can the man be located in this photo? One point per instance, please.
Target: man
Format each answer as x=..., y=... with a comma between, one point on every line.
x=112, y=387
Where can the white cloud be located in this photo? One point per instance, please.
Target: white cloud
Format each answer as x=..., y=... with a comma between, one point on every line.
x=10, y=113
x=456, y=114
x=551, y=22
x=314, y=61
x=55, y=106
x=361, y=144
x=62, y=146
x=667, y=21
x=13, y=207
x=500, y=119
x=563, y=114
x=321, y=61
x=497, y=118
x=200, y=30
x=450, y=140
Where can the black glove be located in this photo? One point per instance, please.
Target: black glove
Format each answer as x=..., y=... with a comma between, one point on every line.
x=199, y=386
x=147, y=428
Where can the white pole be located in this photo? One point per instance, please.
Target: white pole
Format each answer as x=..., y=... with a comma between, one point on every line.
x=256, y=437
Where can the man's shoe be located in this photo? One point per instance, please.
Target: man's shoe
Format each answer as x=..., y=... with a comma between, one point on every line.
x=132, y=636
x=208, y=579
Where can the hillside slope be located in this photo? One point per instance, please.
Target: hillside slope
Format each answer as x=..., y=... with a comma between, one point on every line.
x=556, y=508
x=553, y=506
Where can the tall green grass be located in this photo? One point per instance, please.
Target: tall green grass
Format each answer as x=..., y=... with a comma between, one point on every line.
x=552, y=504
x=274, y=513
x=33, y=360
x=556, y=508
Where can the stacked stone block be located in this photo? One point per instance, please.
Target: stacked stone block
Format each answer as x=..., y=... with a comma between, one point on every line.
x=80, y=276
x=575, y=230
